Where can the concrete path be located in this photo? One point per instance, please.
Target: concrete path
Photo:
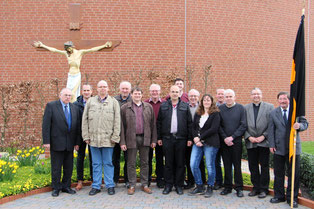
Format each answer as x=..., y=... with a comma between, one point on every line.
x=141, y=200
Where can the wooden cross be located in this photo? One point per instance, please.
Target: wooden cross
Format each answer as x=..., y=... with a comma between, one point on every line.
x=75, y=34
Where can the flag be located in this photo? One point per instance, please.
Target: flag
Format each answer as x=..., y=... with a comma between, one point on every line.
x=297, y=85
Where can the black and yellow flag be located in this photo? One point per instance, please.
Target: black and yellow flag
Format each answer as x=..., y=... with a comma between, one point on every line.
x=297, y=85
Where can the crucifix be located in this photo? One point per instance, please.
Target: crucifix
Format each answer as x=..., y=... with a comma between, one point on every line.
x=68, y=48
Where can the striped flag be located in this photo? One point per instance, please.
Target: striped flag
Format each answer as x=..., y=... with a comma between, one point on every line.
x=297, y=85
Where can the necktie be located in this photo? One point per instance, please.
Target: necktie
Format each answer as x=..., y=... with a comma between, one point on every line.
x=285, y=116
x=67, y=116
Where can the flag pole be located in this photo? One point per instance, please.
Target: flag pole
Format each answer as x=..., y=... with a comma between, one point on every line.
x=293, y=169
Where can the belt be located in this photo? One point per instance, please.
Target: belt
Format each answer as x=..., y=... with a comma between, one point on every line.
x=173, y=134
x=140, y=135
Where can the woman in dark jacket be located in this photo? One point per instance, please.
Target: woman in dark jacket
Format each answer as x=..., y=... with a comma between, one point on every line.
x=206, y=142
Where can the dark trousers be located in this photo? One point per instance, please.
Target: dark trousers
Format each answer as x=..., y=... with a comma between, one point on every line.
x=143, y=156
x=279, y=170
x=80, y=162
x=174, y=151
x=232, y=156
x=259, y=177
x=190, y=179
x=59, y=160
x=219, y=179
x=159, y=164
x=116, y=163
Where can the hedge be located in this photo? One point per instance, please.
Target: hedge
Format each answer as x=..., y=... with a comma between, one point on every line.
x=307, y=172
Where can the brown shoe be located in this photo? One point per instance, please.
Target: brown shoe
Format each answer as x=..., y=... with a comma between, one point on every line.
x=79, y=186
x=131, y=191
x=146, y=189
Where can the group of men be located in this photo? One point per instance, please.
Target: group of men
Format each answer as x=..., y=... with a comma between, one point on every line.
x=126, y=122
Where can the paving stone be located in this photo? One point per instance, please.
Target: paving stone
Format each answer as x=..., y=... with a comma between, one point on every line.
x=141, y=200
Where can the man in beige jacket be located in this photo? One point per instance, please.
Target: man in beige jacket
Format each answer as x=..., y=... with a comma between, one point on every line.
x=101, y=130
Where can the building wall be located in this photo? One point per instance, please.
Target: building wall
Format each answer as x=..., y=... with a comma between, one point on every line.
x=247, y=43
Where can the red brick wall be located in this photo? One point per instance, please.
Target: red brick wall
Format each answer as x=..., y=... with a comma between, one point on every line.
x=248, y=43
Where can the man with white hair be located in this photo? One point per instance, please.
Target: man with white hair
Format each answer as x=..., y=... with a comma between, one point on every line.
x=122, y=98
x=193, y=96
x=232, y=128
x=257, y=144
x=61, y=133
x=101, y=130
x=155, y=101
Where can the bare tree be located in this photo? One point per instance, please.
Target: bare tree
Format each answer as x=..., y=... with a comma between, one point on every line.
x=6, y=100
x=152, y=75
x=190, y=70
x=206, y=78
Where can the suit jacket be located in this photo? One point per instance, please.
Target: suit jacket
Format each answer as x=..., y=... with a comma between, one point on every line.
x=261, y=124
x=55, y=127
x=277, y=133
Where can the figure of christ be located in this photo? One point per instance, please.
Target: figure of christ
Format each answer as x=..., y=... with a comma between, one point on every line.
x=74, y=58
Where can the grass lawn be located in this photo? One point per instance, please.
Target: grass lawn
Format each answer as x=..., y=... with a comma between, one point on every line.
x=308, y=147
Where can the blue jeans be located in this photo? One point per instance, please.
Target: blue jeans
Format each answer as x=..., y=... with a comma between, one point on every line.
x=102, y=160
x=210, y=156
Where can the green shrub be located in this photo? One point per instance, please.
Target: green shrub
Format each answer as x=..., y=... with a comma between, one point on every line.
x=43, y=167
x=307, y=172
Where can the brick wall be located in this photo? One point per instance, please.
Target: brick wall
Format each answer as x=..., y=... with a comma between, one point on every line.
x=248, y=43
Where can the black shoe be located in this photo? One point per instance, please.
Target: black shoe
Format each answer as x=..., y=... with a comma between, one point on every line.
x=209, y=191
x=253, y=193
x=167, y=190
x=199, y=189
x=94, y=191
x=295, y=204
x=179, y=190
x=55, y=192
x=240, y=193
x=111, y=191
x=276, y=200
x=148, y=183
x=188, y=186
x=217, y=186
x=160, y=184
x=68, y=190
x=262, y=195
x=225, y=191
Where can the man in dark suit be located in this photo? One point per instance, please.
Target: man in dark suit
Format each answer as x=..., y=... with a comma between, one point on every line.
x=256, y=140
x=279, y=146
x=61, y=133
